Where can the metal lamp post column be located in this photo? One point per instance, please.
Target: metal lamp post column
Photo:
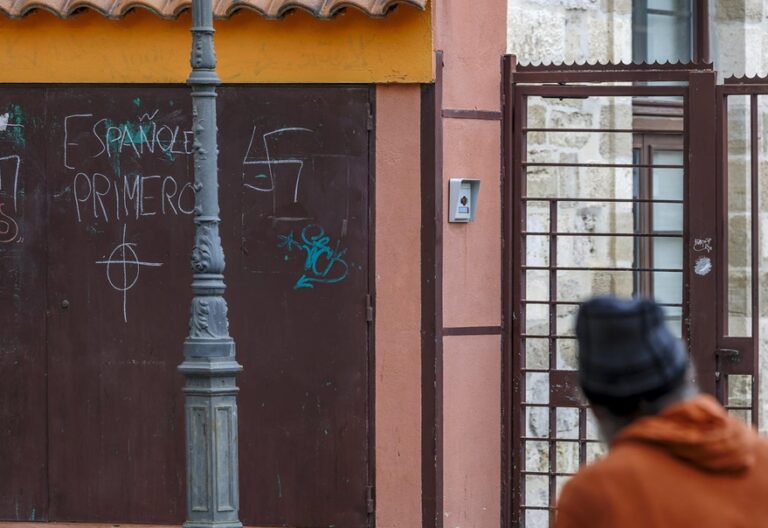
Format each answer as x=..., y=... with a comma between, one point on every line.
x=209, y=366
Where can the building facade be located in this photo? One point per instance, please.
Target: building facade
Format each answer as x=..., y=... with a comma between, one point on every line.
x=368, y=327
x=400, y=370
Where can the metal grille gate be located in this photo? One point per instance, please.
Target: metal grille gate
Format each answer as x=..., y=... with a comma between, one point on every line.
x=742, y=105
x=612, y=184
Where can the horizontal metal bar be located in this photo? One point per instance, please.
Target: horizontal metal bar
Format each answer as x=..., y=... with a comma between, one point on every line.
x=574, y=268
x=654, y=103
x=549, y=440
x=603, y=165
x=547, y=473
x=546, y=336
x=540, y=508
x=608, y=69
x=600, y=200
x=552, y=440
x=568, y=233
x=577, y=303
x=577, y=91
x=743, y=89
x=607, y=131
x=666, y=115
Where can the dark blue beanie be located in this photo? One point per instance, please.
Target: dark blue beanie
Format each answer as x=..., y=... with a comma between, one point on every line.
x=627, y=353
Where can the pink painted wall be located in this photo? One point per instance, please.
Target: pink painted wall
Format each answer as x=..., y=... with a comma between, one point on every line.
x=472, y=469
x=472, y=37
x=398, y=307
x=472, y=252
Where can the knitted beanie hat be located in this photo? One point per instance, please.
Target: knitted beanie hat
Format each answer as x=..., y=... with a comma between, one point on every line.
x=626, y=350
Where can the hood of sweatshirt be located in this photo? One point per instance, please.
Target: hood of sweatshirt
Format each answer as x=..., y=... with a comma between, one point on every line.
x=698, y=431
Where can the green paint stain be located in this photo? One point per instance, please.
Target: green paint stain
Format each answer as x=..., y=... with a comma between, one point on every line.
x=113, y=147
x=138, y=134
x=168, y=156
x=137, y=102
x=16, y=117
x=93, y=230
x=129, y=133
x=64, y=191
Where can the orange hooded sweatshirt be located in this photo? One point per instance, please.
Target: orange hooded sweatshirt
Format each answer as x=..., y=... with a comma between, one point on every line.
x=691, y=466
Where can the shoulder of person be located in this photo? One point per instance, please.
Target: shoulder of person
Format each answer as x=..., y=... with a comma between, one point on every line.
x=582, y=500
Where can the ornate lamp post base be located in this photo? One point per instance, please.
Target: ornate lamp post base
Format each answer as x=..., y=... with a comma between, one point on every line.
x=209, y=367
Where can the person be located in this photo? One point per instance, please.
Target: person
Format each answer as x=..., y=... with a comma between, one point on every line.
x=675, y=457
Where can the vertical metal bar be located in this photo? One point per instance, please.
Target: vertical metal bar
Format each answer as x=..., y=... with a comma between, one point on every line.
x=209, y=364
x=700, y=291
x=582, y=435
x=428, y=305
x=721, y=248
x=432, y=299
x=722, y=213
x=518, y=315
x=552, y=350
x=650, y=278
x=508, y=213
x=754, y=261
x=371, y=356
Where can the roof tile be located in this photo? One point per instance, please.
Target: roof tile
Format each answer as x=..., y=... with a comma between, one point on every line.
x=221, y=8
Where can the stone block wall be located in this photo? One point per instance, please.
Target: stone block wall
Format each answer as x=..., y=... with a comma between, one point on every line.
x=557, y=31
x=570, y=30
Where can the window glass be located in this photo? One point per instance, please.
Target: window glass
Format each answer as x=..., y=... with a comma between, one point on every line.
x=662, y=30
x=668, y=185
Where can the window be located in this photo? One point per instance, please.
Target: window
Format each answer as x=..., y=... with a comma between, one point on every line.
x=661, y=182
x=662, y=30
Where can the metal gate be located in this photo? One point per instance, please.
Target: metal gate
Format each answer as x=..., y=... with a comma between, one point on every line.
x=612, y=186
x=742, y=155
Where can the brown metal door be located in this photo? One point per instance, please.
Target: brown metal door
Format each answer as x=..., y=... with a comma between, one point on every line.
x=297, y=177
x=743, y=155
x=23, y=427
x=108, y=188
x=119, y=205
x=611, y=184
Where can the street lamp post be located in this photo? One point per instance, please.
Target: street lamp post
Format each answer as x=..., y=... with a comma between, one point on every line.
x=209, y=366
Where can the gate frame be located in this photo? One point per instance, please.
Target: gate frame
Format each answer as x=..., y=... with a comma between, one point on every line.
x=747, y=348
x=699, y=145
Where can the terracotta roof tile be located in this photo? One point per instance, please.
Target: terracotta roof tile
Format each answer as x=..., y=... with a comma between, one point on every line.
x=221, y=8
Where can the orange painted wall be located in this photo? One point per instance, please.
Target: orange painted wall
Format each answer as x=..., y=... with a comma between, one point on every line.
x=398, y=307
x=142, y=48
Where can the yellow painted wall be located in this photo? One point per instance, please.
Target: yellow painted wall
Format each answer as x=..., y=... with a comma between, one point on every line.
x=143, y=48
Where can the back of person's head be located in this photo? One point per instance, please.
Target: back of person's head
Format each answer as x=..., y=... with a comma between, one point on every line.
x=629, y=360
